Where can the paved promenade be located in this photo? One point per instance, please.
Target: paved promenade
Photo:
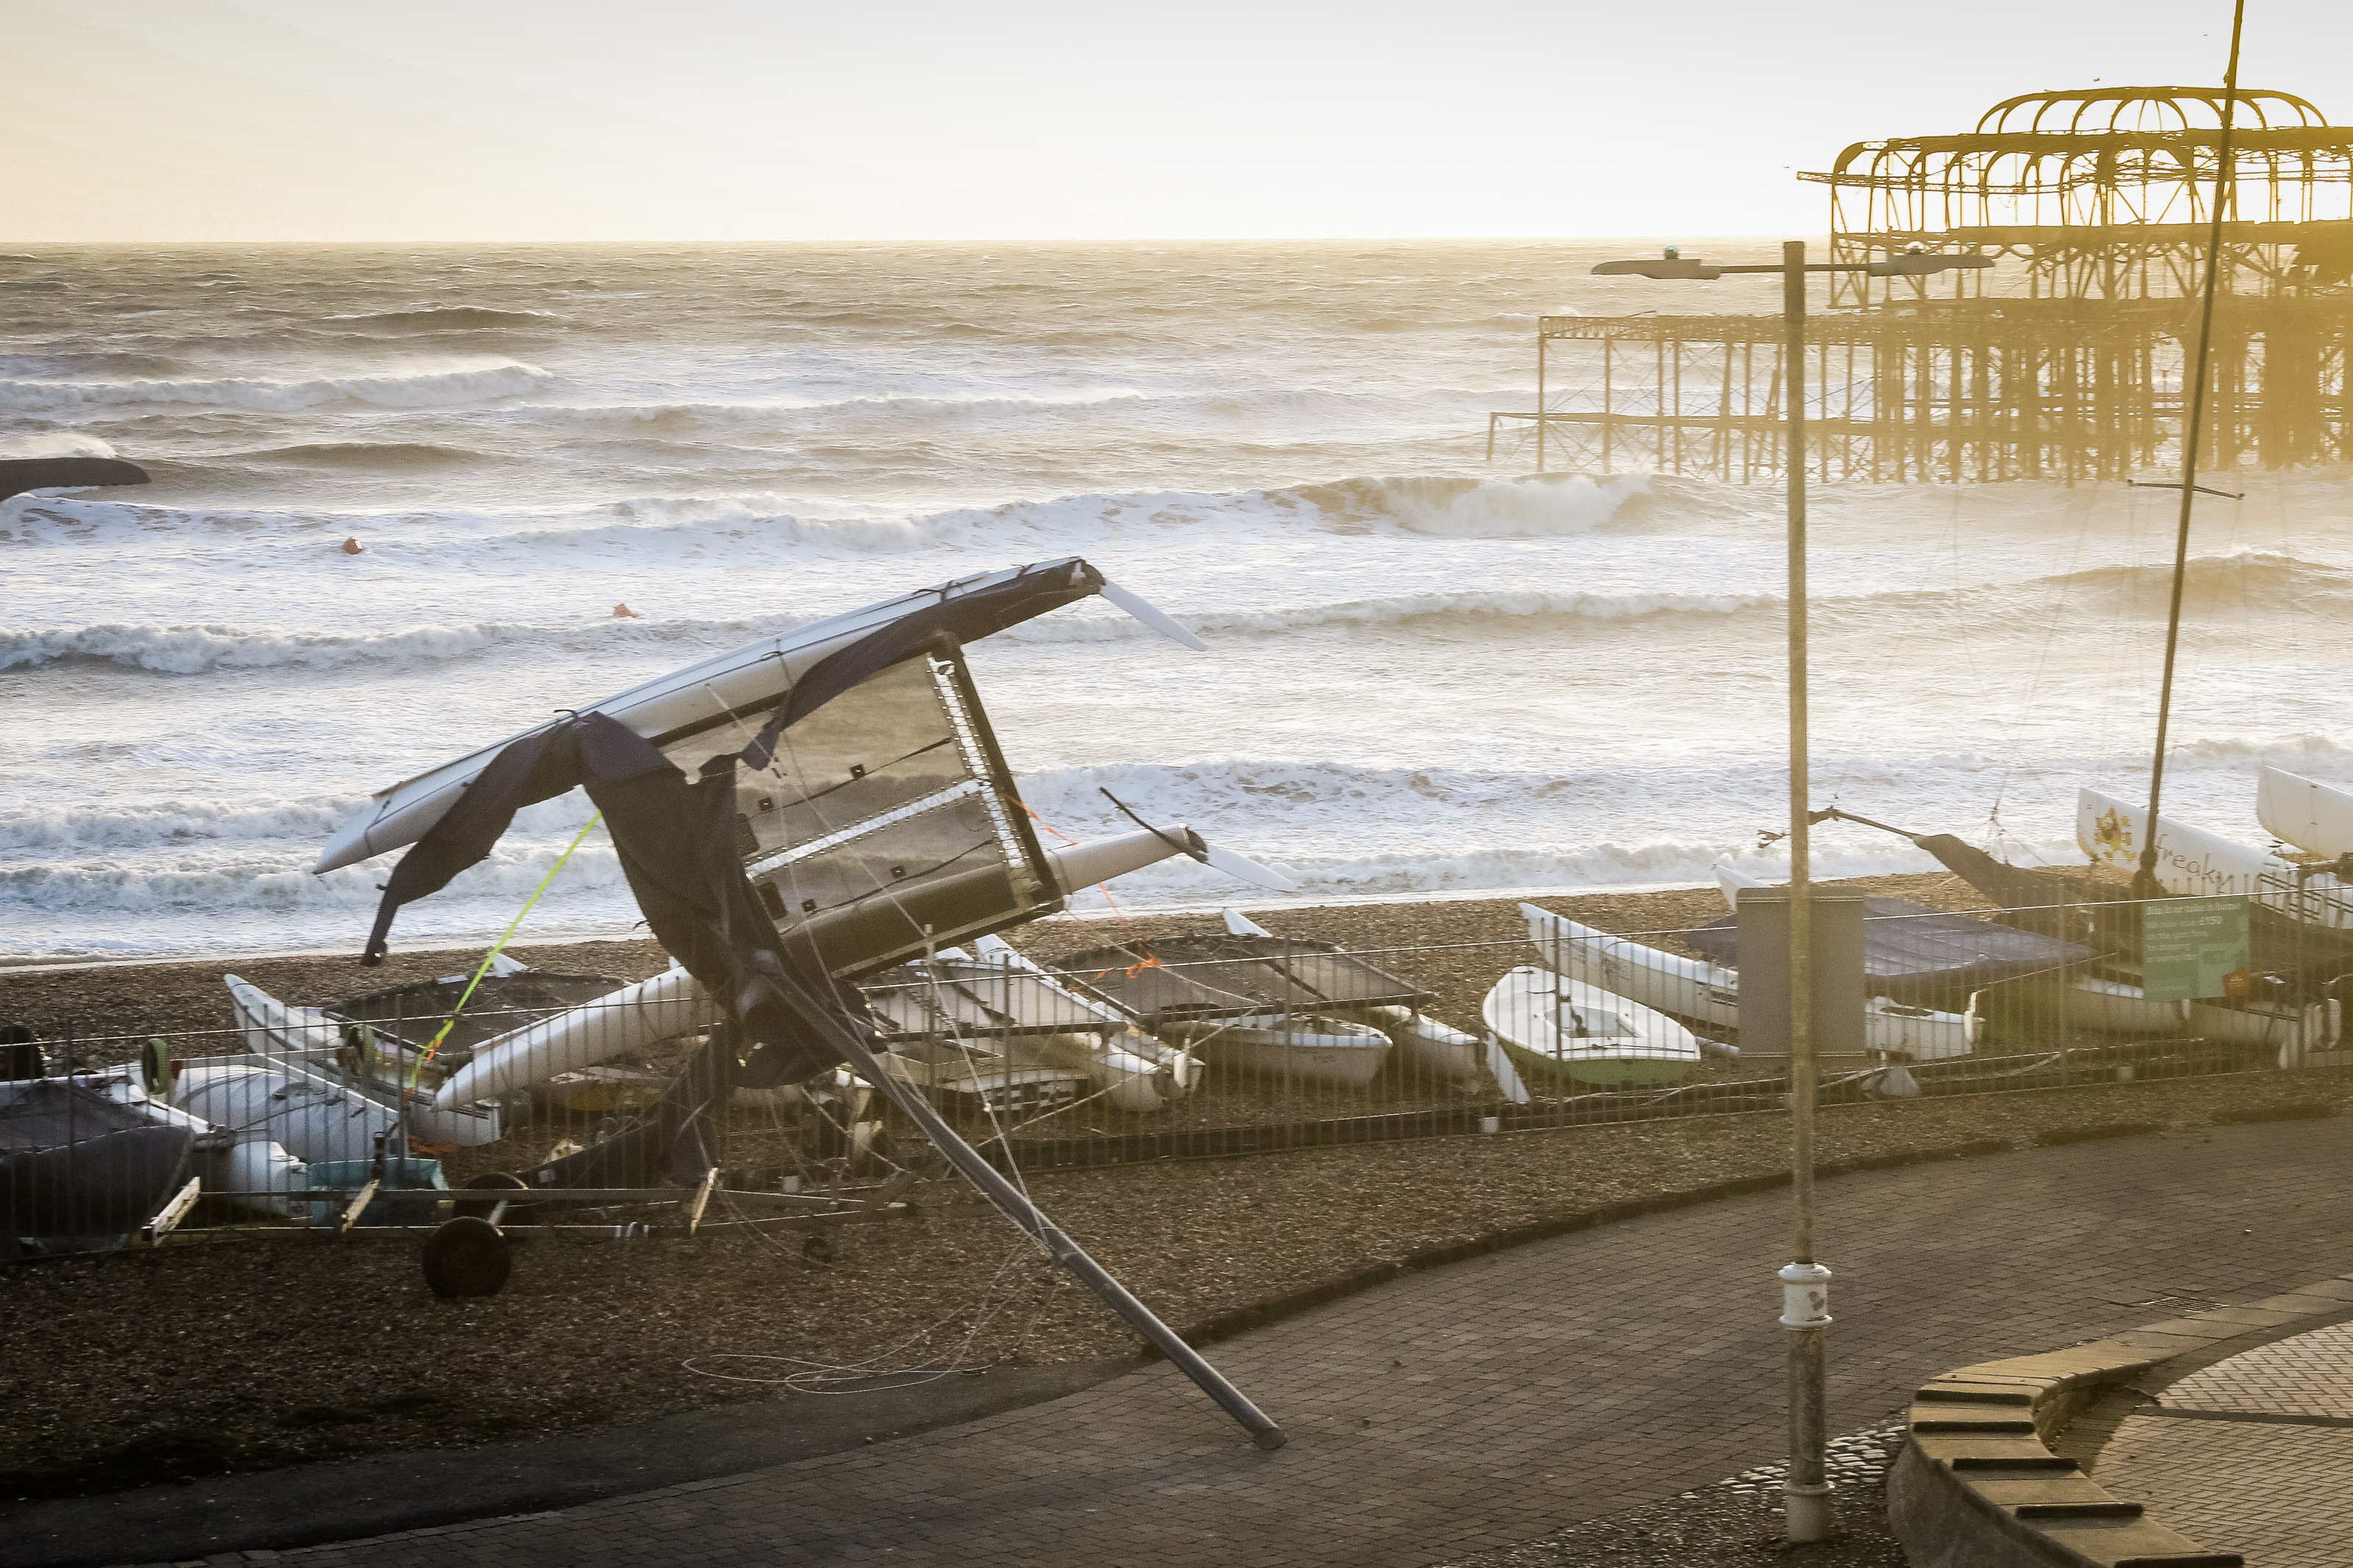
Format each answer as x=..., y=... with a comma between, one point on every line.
x=2252, y=1454
x=1496, y=1400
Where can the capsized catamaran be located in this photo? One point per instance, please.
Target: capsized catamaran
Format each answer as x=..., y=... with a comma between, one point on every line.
x=847, y=777
x=794, y=816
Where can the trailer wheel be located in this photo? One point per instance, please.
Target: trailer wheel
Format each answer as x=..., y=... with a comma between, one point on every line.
x=467, y=1256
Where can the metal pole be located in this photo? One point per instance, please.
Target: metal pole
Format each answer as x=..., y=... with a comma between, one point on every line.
x=1805, y=1284
x=1016, y=1206
x=2145, y=882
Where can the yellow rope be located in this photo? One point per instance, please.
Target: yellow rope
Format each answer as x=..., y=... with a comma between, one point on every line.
x=490, y=957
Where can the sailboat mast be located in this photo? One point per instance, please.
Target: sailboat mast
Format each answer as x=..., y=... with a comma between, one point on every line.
x=2144, y=885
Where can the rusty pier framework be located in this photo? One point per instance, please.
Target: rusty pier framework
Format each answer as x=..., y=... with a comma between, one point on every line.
x=2066, y=361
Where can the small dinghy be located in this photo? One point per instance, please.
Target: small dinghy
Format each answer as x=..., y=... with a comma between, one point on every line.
x=1136, y=1072
x=1558, y=1028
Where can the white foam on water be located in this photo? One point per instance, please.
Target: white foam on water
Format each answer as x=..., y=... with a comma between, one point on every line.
x=56, y=444
x=1427, y=675
x=421, y=389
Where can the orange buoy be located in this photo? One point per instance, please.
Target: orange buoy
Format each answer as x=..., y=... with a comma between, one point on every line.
x=622, y=613
x=351, y=546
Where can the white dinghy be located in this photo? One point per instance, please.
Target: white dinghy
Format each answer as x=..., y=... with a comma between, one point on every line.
x=1558, y=1028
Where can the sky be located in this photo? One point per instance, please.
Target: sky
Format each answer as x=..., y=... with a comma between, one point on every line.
x=162, y=120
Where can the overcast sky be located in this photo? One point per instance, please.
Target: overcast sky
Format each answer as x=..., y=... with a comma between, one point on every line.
x=485, y=119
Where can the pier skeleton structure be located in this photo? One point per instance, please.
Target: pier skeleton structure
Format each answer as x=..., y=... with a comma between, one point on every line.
x=2066, y=362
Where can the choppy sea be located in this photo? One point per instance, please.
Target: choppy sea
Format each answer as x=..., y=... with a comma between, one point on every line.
x=1428, y=673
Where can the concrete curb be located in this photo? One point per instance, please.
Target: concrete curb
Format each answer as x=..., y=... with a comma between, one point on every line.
x=1976, y=1485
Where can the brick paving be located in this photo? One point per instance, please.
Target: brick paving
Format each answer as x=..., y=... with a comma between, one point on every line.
x=1480, y=1404
x=2277, y=1494
x=2309, y=1374
x=2252, y=1454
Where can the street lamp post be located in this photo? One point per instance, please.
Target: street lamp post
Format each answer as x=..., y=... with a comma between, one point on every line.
x=1805, y=1283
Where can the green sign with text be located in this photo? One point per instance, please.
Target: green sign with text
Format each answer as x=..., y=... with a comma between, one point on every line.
x=2193, y=947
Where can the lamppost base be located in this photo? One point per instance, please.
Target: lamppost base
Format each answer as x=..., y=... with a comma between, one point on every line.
x=1807, y=1509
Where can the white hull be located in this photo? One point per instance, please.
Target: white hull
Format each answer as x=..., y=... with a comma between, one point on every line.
x=2291, y=1032
x=669, y=1004
x=1924, y=1033
x=303, y=1043
x=1587, y=1032
x=2115, y=1008
x=314, y=1121
x=1432, y=1047
x=1130, y=1071
x=1694, y=988
x=748, y=679
x=257, y=1164
x=2192, y=862
x=2317, y=818
x=1329, y=1050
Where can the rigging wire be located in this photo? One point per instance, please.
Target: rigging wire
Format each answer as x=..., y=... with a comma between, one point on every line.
x=490, y=957
x=2145, y=883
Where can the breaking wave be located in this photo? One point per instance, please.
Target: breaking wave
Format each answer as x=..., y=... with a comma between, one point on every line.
x=448, y=318
x=364, y=455
x=162, y=823
x=201, y=649
x=2266, y=575
x=425, y=389
x=196, y=650
x=1434, y=508
x=56, y=444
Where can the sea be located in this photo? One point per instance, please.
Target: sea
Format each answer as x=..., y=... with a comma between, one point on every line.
x=1431, y=673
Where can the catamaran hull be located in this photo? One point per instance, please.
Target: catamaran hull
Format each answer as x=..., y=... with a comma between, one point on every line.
x=2317, y=818
x=299, y=1043
x=1327, y=1050
x=1431, y=1047
x=2113, y=1007
x=310, y=1119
